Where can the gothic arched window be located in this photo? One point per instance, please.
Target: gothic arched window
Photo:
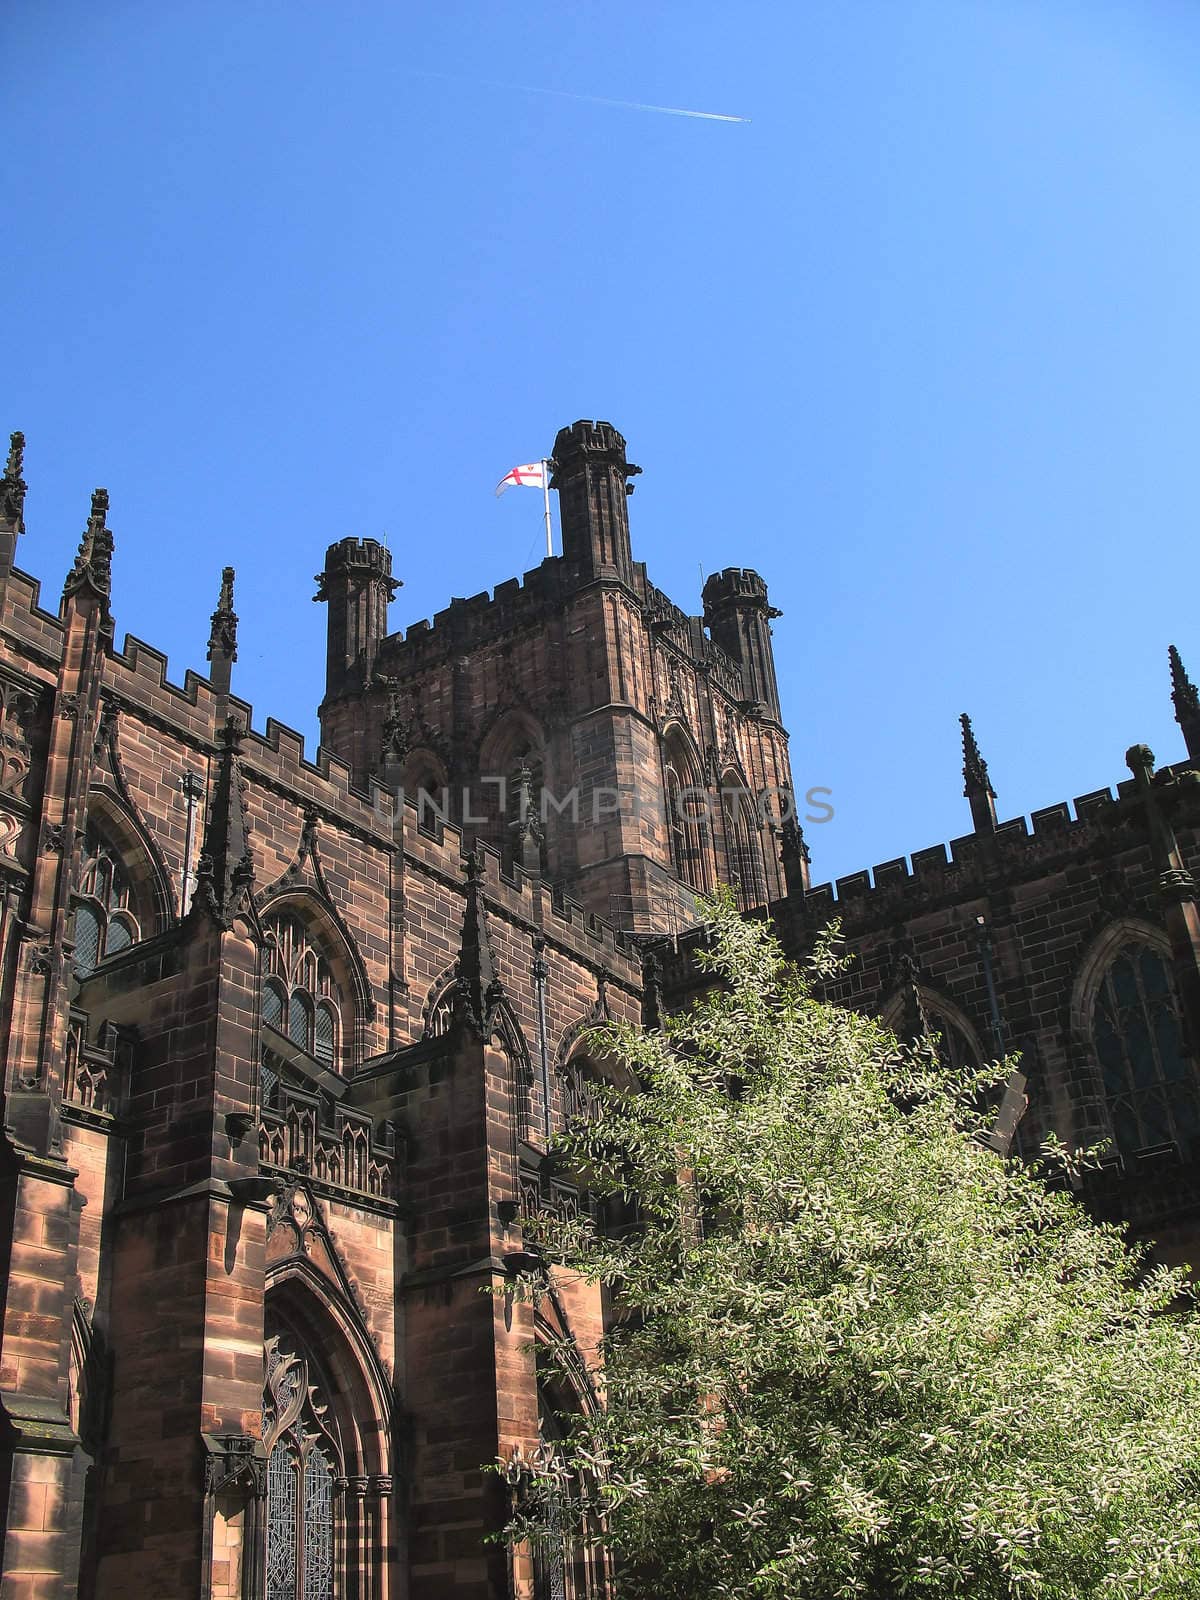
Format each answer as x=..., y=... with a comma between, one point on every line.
x=744, y=852
x=425, y=784
x=302, y=1466
x=1149, y=1084
x=104, y=911
x=687, y=811
x=568, y=1560
x=300, y=997
x=955, y=1050
x=515, y=743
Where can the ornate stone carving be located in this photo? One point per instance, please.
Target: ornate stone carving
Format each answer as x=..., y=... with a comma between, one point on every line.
x=674, y=706
x=12, y=485
x=729, y=756
x=10, y=834
x=17, y=711
x=234, y=1461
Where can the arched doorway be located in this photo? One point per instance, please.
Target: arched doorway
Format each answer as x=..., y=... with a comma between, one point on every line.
x=326, y=1434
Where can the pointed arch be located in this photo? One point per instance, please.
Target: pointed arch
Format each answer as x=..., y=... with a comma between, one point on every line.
x=685, y=798
x=514, y=739
x=303, y=1300
x=742, y=826
x=334, y=942
x=1096, y=960
x=1125, y=1016
x=578, y=1069
x=437, y=1011
x=141, y=856
x=509, y=1036
x=327, y=1414
x=960, y=1041
x=120, y=896
x=425, y=782
x=508, y=729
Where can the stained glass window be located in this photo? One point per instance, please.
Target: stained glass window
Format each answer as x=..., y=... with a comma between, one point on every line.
x=272, y=1009
x=954, y=1049
x=87, y=938
x=324, y=1034
x=1149, y=1084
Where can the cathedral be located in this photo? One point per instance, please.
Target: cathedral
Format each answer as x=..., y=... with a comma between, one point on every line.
x=286, y=1040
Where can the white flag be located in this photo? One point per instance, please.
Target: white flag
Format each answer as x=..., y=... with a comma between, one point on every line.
x=531, y=476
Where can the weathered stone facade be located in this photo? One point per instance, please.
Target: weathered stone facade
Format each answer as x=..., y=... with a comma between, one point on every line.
x=283, y=1041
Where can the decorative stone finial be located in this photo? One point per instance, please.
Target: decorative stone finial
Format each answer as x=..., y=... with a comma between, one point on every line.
x=225, y=874
x=223, y=638
x=915, y=1020
x=93, y=565
x=526, y=829
x=478, y=991
x=1187, y=703
x=12, y=485
x=977, y=786
x=222, y=641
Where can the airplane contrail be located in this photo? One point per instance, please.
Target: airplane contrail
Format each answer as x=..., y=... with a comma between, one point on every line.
x=590, y=99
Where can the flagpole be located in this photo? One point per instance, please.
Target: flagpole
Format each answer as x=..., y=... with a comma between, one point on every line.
x=546, y=492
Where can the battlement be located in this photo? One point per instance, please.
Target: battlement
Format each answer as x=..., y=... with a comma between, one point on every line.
x=136, y=681
x=976, y=859
x=513, y=604
x=734, y=586
x=587, y=438
x=359, y=557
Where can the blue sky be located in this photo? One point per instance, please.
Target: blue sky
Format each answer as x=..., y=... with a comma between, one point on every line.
x=919, y=342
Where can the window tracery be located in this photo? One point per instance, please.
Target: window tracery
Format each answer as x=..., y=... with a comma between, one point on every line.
x=687, y=808
x=568, y=1563
x=105, y=919
x=300, y=997
x=303, y=1463
x=1149, y=1084
x=744, y=853
x=954, y=1049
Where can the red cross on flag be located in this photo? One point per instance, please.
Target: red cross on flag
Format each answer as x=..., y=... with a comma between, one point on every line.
x=531, y=476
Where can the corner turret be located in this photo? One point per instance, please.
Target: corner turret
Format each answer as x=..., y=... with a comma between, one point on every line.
x=738, y=614
x=592, y=477
x=357, y=583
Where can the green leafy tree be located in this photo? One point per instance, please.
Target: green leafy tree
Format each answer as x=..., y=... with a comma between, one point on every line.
x=855, y=1352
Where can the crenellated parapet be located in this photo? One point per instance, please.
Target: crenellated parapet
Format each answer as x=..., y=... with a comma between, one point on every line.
x=1097, y=827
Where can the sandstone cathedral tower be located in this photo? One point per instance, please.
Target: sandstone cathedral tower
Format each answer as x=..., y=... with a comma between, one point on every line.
x=285, y=1040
